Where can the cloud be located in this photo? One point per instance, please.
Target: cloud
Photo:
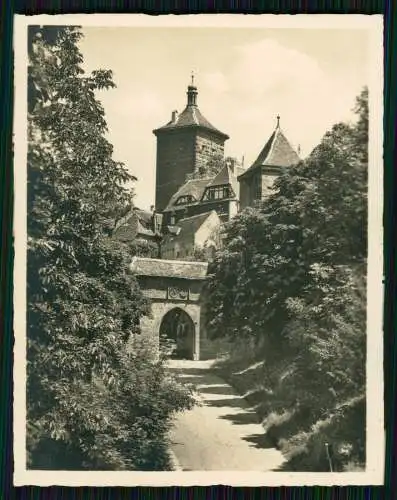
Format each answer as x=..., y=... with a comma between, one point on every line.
x=267, y=79
x=268, y=66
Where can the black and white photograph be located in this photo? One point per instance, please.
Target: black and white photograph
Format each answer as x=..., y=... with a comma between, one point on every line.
x=198, y=250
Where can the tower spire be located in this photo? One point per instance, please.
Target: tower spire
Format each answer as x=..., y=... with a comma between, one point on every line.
x=192, y=92
x=278, y=121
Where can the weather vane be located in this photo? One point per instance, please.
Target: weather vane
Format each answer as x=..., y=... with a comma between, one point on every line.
x=192, y=78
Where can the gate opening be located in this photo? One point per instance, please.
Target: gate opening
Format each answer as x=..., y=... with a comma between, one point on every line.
x=178, y=326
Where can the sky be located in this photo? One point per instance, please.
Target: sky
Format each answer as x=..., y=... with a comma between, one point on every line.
x=245, y=78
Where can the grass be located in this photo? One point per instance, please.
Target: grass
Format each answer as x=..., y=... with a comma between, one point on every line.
x=301, y=437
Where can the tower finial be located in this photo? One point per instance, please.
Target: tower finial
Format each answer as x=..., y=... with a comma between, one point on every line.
x=278, y=121
x=192, y=93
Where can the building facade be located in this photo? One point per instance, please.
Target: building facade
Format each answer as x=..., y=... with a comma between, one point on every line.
x=193, y=237
x=197, y=188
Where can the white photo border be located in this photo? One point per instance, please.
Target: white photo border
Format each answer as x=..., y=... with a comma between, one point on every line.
x=374, y=473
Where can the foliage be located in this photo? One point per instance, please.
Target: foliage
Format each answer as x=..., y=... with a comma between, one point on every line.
x=210, y=168
x=95, y=397
x=143, y=248
x=199, y=254
x=291, y=280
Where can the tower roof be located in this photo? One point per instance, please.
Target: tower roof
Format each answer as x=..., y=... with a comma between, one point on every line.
x=191, y=116
x=277, y=152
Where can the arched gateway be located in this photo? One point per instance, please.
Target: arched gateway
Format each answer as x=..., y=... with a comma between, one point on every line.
x=174, y=289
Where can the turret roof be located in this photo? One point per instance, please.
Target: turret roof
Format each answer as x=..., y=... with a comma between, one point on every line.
x=277, y=152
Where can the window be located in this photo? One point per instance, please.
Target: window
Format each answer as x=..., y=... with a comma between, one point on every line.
x=183, y=200
x=218, y=193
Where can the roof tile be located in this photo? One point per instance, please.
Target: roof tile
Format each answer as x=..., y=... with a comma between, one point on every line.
x=191, y=116
x=193, y=187
x=224, y=177
x=277, y=152
x=192, y=224
x=141, y=266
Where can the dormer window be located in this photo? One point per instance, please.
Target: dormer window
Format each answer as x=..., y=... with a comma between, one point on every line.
x=184, y=200
x=218, y=193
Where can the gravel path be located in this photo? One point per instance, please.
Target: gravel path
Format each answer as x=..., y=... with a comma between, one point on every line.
x=222, y=432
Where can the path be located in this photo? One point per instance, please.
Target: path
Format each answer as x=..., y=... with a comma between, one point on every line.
x=223, y=433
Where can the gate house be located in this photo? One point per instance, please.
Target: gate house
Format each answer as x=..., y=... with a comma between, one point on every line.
x=174, y=289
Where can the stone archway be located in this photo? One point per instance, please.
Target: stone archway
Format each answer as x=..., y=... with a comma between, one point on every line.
x=179, y=327
x=172, y=285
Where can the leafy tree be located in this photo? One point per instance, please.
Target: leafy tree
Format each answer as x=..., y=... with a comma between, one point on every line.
x=96, y=396
x=291, y=278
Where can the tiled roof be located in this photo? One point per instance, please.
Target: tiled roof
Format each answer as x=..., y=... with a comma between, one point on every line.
x=169, y=268
x=144, y=224
x=144, y=215
x=225, y=176
x=193, y=187
x=192, y=224
x=191, y=116
x=145, y=230
x=277, y=152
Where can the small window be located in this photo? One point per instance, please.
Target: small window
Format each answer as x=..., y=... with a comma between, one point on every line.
x=183, y=200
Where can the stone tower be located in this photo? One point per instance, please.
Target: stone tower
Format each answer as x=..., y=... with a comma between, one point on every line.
x=257, y=181
x=184, y=145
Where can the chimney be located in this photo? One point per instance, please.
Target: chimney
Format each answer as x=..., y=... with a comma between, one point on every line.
x=174, y=116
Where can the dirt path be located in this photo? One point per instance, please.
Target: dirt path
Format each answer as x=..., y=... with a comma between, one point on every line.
x=222, y=433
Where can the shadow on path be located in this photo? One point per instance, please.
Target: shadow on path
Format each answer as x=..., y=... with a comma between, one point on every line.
x=223, y=432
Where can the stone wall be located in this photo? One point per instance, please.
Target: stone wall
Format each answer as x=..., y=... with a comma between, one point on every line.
x=150, y=326
x=207, y=147
x=157, y=289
